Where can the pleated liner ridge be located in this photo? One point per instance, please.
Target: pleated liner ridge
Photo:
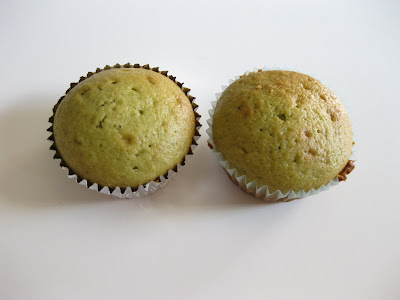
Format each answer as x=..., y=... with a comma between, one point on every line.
x=141, y=190
x=252, y=187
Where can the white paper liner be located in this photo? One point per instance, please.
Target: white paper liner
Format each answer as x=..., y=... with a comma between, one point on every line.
x=241, y=180
x=141, y=190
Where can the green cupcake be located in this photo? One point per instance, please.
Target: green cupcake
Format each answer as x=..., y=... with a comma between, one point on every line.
x=124, y=127
x=283, y=130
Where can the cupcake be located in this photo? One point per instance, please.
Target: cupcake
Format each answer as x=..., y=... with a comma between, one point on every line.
x=281, y=135
x=124, y=129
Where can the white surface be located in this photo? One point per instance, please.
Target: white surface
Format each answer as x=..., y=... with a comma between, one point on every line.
x=200, y=237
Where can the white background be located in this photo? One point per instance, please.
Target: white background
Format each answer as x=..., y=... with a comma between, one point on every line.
x=200, y=237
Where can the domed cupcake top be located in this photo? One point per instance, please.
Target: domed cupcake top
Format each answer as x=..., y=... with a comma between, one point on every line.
x=282, y=129
x=124, y=127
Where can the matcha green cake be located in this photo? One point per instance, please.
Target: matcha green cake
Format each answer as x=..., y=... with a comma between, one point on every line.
x=284, y=130
x=124, y=126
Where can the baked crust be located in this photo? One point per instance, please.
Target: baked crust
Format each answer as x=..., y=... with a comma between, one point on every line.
x=282, y=129
x=124, y=126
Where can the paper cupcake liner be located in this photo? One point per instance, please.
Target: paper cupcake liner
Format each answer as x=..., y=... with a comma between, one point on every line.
x=252, y=187
x=141, y=190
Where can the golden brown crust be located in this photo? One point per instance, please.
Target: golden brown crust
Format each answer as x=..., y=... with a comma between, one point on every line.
x=346, y=170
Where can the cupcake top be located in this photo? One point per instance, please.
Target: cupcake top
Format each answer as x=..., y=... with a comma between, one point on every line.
x=124, y=127
x=282, y=129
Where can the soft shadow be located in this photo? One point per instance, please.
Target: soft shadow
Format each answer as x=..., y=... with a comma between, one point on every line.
x=203, y=183
x=30, y=177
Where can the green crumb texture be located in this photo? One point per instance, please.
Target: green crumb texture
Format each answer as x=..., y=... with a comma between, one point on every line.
x=283, y=129
x=124, y=127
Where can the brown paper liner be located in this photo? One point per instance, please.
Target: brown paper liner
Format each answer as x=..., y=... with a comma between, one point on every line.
x=151, y=186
